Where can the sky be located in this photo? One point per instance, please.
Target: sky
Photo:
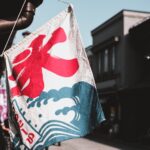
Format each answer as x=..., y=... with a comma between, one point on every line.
x=89, y=14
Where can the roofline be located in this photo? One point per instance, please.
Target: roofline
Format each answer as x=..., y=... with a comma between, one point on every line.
x=114, y=18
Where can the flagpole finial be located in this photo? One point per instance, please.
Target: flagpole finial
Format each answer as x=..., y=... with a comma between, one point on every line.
x=70, y=7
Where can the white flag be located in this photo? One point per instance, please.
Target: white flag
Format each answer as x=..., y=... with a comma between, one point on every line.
x=52, y=89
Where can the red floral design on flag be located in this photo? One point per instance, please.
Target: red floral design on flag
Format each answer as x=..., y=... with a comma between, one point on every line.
x=27, y=70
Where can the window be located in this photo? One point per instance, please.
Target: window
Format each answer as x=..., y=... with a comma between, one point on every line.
x=106, y=59
x=113, y=58
x=99, y=63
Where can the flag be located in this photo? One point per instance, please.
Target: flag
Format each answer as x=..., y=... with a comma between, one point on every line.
x=52, y=90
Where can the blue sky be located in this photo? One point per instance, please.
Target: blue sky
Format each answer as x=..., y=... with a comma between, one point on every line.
x=89, y=14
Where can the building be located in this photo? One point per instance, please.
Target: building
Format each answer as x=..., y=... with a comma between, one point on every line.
x=121, y=67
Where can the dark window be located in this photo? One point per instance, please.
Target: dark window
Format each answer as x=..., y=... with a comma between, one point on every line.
x=99, y=63
x=113, y=58
x=106, y=61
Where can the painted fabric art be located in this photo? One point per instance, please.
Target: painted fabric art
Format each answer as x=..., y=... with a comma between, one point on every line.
x=52, y=90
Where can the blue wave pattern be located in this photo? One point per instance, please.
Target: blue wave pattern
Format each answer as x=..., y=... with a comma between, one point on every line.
x=88, y=114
